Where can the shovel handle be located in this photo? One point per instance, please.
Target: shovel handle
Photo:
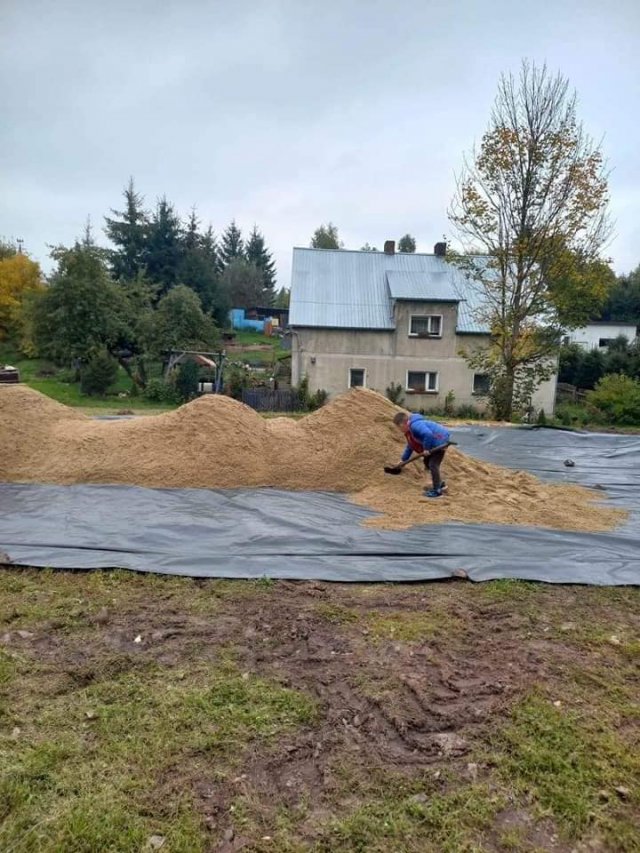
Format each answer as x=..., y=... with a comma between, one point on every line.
x=426, y=454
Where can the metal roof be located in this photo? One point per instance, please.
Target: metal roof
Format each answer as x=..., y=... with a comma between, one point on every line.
x=343, y=289
x=436, y=286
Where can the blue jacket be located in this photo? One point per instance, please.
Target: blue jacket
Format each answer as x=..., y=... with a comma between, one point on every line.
x=429, y=434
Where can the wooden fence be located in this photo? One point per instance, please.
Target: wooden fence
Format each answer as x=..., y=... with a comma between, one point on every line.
x=267, y=400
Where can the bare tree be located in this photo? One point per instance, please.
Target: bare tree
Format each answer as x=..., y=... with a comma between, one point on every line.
x=530, y=209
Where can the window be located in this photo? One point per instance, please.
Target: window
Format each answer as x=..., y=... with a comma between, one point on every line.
x=356, y=377
x=603, y=343
x=481, y=384
x=425, y=326
x=421, y=382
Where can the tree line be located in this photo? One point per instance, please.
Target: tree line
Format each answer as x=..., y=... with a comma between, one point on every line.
x=163, y=284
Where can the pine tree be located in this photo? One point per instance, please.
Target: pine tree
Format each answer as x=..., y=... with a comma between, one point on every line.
x=407, y=243
x=211, y=250
x=257, y=253
x=165, y=247
x=128, y=232
x=191, y=232
x=232, y=244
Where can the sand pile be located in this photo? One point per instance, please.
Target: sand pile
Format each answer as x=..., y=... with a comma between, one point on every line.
x=218, y=442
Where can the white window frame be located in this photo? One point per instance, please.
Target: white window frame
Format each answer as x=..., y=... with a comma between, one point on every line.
x=473, y=386
x=429, y=334
x=364, y=377
x=427, y=373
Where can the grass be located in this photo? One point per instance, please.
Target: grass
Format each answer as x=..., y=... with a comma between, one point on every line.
x=224, y=715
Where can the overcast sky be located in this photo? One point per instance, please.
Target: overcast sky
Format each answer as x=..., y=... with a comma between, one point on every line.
x=289, y=113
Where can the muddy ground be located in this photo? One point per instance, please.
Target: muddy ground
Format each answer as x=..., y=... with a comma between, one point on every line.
x=442, y=716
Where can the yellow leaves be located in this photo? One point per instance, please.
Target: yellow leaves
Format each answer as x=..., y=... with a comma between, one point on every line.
x=19, y=276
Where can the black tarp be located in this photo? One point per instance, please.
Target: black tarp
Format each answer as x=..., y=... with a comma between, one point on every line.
x=254, y=533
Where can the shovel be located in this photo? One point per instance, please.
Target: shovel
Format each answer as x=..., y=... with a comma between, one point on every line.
x=397, y=469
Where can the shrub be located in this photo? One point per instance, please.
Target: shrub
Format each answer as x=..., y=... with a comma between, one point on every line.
x=98, y=374
x=617, y=397
x=317, y=400
x=187, y=381
x=395, y=393
x=466, y=410
x=542, y=418
x=159, y=391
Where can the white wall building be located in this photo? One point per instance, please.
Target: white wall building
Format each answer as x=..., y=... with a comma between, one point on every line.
x=599, y=335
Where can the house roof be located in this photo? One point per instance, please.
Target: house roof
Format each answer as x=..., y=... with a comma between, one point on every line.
x=343, y=289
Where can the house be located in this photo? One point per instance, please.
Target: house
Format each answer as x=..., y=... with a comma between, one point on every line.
x=374, y=319
x=599, y=335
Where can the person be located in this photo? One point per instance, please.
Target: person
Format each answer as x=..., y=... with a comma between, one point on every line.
x=425, y=436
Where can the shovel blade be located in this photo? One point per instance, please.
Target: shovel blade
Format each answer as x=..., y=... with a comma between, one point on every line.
x=392, y=469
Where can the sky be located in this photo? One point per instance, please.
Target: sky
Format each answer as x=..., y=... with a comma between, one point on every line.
x=290, y=113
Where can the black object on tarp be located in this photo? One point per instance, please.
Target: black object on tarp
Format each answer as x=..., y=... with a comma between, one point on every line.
x=306, y=535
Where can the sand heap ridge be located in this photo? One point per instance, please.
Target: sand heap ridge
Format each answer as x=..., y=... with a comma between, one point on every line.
x=217, y=442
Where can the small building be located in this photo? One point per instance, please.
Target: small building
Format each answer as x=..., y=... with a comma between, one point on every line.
x=376, y=319
x=598, y=335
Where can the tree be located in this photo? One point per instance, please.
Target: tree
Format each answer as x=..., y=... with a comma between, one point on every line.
x=232, y=244
x=282, y=298
x=617, y=397
x=256, y=253
x=368, y=248
x=180, y=323
x=128, y=232
x=19, y=277
x=533, y=195
x=165, y=247
x=570, y=358
x=82, y=310
x=99, y=373
x=623, y=300
x=590, y=370
x=326, y=237
x=407, y=244
x=210, y=250
x=243, y=283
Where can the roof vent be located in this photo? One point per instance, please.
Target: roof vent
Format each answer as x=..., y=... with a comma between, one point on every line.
x=439, y=250
x=389, y=247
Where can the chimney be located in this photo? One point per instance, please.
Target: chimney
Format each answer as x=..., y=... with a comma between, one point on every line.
x=440, y=250
x=389, y=247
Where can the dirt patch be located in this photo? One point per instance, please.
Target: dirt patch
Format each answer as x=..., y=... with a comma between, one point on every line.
x=218, y=442
x=391, y=715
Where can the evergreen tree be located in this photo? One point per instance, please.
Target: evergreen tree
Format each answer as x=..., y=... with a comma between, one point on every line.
x=232, y=244
x=211, y=250
x=165, y=247
x=257, y=253
x=191, y=232
x=128, y=232
x=282, y=298
x=407, y=244
x=243, y=283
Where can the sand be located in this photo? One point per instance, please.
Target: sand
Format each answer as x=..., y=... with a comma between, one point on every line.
x=218, y=442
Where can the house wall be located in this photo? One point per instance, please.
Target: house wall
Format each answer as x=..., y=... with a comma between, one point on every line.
x=589, y=336
x=326, y=356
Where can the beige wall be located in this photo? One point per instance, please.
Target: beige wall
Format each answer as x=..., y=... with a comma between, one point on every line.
x=326, y=356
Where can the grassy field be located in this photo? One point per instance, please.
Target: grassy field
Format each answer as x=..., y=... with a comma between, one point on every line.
x=141, y=713
x=45, y=377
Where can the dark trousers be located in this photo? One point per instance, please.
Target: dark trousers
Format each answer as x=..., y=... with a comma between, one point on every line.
x=432, y=463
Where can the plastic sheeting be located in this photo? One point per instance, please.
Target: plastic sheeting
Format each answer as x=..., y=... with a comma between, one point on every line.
x=297, y=535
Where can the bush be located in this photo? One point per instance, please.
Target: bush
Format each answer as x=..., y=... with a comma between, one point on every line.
x=317, y=400
x=98, y=374
x=617, y=397
x=187, y=381
x=159, y=391
x=395, y=393
x=466, y=410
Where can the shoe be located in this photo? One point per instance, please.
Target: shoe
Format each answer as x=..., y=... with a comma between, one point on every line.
x=433, y=493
